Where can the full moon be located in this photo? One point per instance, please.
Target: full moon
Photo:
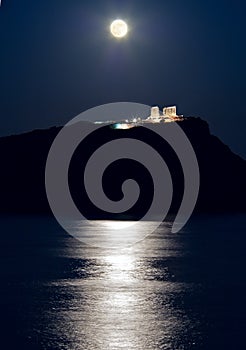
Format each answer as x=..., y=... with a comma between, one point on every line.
x=119, y=28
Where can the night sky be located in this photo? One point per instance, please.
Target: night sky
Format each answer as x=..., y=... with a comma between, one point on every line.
x=58, y=58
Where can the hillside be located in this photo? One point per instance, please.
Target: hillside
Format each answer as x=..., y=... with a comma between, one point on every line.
x=23, y=159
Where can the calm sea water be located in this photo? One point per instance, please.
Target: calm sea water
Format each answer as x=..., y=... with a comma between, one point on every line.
x=170, y=291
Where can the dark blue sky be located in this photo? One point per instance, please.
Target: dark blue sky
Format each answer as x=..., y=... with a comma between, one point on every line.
x=58, y=59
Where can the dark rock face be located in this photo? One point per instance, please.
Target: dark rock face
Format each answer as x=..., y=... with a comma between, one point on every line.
x=222, y=173
x=23, y=159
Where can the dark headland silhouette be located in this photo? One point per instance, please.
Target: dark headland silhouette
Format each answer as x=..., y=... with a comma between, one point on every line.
x=23, y=159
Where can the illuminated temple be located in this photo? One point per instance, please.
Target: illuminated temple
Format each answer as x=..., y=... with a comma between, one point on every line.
x=168, y=114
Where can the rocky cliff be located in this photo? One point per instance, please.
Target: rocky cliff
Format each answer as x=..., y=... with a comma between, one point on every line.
x=23, y=159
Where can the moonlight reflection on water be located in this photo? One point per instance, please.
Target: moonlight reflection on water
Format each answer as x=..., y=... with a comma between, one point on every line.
x=121, y=298
x=110, y=233
x=168, y=291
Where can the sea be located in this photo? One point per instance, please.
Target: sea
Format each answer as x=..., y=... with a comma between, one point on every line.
x=174, y=291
